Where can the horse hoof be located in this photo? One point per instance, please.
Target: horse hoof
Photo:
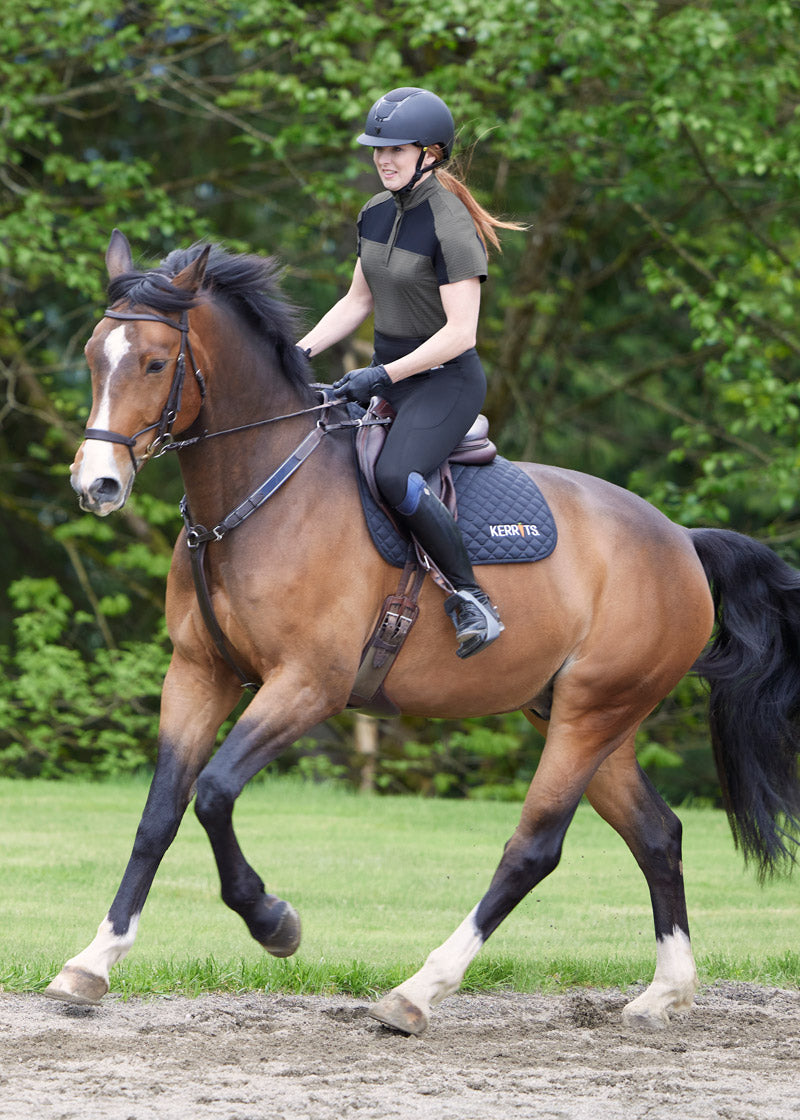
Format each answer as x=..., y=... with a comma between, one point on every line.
x=399, y=1013
x=77, y=986
x=286, y=938
x=644, y=1018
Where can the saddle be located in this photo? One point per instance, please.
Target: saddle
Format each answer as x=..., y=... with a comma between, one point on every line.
x=475, y=449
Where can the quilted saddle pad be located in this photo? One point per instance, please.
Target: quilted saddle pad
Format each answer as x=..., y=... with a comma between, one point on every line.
x=502, y=514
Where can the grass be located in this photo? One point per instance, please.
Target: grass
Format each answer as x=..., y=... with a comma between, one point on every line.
x=378, y=883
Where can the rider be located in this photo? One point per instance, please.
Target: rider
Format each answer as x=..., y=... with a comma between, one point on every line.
x=421, y=260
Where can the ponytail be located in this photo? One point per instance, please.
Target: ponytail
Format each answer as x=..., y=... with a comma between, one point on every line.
x=485, y=223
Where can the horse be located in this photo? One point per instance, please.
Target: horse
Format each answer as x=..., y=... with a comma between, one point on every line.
x=198, y=355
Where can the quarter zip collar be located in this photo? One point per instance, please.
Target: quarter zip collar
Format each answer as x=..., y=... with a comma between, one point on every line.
x=407, y=200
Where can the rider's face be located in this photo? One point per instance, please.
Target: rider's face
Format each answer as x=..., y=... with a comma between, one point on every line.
x=397, y=164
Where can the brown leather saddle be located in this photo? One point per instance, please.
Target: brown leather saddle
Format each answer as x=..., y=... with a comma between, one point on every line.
x=399, y=611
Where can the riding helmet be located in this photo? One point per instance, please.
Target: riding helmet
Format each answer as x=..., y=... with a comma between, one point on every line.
x=409, y=115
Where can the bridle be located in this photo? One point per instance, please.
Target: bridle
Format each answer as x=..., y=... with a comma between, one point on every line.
x=163, y=426
x=164, y=439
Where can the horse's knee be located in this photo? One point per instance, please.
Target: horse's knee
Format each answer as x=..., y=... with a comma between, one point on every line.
x=213, y=803
x=535, y=858
x=155, y=833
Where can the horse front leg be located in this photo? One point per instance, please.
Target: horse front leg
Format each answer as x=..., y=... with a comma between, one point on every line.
x=282, y=711
x=624, y=797
x=192, y=711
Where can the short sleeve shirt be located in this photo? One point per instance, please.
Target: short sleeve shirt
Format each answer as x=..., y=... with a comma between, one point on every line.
x=410, y=246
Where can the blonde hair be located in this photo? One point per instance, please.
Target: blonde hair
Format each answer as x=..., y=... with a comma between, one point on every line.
x=485, y=223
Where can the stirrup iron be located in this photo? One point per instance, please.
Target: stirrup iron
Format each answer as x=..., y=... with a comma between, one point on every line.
x=475, y=619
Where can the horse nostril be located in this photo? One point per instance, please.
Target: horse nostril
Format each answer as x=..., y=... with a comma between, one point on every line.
x=104, y=490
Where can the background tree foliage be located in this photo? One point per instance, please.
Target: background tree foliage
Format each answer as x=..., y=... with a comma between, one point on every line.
x=643, y=328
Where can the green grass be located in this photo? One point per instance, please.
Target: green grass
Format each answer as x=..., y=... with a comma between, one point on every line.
x=378, y=883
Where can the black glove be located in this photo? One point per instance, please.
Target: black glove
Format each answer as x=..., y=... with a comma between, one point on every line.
x=360, y=385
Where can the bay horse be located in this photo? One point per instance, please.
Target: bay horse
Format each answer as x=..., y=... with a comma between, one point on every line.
x=596, y=635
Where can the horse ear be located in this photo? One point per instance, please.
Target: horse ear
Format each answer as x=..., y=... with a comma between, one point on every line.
x=118, y=255
x=191, y=277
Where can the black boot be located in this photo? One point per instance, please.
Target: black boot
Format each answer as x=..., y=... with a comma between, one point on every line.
x=475, y=619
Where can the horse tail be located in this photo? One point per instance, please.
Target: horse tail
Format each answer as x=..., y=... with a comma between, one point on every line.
x=752, y=667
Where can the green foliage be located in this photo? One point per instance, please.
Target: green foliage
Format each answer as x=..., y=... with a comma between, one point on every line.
x=643, y=328
x=491, y=758
x=63, y=712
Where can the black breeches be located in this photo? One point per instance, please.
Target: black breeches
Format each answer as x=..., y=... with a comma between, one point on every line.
x=435, y=410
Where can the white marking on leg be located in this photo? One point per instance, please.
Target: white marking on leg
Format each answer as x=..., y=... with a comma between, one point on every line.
x=674, y=983
x=443, y=971
x=106, y=950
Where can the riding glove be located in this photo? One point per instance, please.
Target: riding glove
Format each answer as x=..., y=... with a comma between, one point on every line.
x=360, y=385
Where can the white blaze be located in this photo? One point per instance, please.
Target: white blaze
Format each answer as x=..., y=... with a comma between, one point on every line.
x=98, y=455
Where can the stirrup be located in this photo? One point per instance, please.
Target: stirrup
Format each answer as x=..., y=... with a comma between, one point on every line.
x=475, y=619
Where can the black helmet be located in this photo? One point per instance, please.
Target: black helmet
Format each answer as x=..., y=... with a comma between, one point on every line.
x=409, y=115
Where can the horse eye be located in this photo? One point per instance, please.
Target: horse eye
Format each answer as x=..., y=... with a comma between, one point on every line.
x=156, y=366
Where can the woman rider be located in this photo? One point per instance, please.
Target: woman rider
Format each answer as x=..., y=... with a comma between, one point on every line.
x=421, y=261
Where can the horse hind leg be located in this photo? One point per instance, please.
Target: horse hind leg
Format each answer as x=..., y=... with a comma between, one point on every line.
x=534, y=850
x=624, y=797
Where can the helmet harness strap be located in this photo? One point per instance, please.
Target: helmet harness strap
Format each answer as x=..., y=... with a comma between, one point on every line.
x=420, y=171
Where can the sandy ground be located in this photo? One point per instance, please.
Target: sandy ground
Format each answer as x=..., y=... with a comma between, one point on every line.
x=736, y=1056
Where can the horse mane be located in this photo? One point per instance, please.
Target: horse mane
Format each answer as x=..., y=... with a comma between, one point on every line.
x=246, y=283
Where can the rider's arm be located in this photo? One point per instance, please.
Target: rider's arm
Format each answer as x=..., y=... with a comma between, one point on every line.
x=343, y=318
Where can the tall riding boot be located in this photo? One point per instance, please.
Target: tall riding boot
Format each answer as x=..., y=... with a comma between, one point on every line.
x=474, y=617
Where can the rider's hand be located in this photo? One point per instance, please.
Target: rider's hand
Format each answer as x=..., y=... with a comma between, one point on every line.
x=360, y=385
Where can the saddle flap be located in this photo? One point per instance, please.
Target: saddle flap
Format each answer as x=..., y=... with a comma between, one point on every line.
x=370, y=439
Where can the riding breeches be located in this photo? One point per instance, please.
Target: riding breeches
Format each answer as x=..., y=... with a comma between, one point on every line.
x=435, y=410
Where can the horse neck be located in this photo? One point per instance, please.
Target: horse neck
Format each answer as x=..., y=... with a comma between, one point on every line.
x=243, y=385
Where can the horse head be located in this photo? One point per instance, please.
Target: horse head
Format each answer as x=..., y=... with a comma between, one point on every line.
x=223, y=308
x=137, y=361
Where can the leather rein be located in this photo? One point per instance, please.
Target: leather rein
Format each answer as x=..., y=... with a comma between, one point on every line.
x=197, y=536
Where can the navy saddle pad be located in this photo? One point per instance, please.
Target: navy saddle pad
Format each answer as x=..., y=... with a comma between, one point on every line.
x=502, y=514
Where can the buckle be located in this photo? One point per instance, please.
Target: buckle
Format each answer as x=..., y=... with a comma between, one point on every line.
x=159, y=445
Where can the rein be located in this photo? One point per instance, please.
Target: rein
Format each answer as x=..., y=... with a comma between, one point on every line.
x=164, y=440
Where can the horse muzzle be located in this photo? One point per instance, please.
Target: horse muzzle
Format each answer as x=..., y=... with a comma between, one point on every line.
x=100, y=493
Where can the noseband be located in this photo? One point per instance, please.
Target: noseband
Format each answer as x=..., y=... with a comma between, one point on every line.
x=163, y=426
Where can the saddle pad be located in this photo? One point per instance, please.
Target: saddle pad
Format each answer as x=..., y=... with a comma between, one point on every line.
x=502, y=514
